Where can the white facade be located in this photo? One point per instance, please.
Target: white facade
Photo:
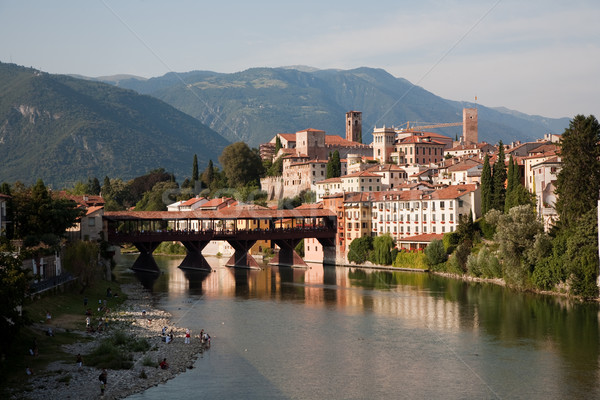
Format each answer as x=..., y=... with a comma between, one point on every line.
x=417, y=212
x=544, y=178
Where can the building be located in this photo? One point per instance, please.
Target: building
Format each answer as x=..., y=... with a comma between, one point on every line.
x=363, y=181
x=478, y=150
x=408, y=213
x=544, y=177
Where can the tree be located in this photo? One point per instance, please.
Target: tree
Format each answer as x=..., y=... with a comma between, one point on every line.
x=486, y=186
x=195, y=176
x=241, y=164
x=155, y=199
x=435, y=253
x=81, y=259
x=14, y=282
x=208, y=175
x=382, y=250
x=516, y=234
x=93, y=186
x=360, y=249
x=466, y=228
x=334, y=165
x=582, y=255
x=278, y=145
x=499, y=179
x=578, y=181
x=37, y=215
x=106, y=189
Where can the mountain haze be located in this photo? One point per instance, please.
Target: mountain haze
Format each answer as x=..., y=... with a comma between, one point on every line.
x=63, y=129
x=255, y=104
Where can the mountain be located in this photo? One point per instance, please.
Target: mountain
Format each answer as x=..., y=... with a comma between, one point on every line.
x=255, y=104
x=63, y=129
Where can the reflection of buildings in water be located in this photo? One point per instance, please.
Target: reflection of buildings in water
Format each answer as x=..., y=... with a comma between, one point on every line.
x=321, y=287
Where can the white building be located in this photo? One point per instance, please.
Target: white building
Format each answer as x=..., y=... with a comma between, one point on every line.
x=415, y=212
x=544, y=180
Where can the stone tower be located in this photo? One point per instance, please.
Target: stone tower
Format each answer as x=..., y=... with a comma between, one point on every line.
x=470, y=126
x=354, y=126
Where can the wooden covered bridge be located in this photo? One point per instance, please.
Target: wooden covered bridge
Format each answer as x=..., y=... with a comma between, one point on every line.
x=240, y=227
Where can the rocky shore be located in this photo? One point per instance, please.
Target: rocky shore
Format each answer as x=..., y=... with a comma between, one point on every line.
x=68, y=381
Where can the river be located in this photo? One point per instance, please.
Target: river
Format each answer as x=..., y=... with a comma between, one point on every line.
x=349, y=333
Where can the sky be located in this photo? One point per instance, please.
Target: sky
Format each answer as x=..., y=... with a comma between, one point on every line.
x=534, y=56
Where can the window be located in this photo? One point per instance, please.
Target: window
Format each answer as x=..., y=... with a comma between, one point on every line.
x=92, y=222
x=364, y=225
x=442, y=205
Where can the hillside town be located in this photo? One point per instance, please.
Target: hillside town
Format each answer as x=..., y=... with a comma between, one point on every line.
x=410, y=183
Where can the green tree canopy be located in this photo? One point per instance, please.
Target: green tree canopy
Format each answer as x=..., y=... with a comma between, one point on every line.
x=382, y=250
x=241, y=164
x=499, y=179
x=334, y=165
x=435, y=253
x=14, y=282
x=578, y=182
x=195, y=176
x=360, y=249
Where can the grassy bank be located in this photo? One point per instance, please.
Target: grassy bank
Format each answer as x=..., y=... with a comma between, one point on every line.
x=67, y=310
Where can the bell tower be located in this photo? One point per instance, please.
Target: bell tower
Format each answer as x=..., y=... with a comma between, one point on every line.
x=354, y=126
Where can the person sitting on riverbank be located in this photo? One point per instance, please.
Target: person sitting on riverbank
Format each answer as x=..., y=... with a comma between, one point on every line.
x=164, y=364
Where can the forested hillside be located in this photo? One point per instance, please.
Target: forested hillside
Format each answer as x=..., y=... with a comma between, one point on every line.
x=62, y=130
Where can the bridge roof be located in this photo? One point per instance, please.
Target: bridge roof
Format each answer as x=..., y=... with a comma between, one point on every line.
x=226, y=213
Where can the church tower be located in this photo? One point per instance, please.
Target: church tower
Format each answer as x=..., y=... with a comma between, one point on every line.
x=354, y=126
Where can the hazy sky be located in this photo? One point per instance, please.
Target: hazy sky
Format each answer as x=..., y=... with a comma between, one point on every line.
x=538, y=57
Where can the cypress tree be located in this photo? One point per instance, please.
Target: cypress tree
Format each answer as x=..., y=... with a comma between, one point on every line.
x=510, y=186
x=278, y=145
x=498, y=180
x=334, y=165
x=486, y=186
x=209, y=174
x=195, y=176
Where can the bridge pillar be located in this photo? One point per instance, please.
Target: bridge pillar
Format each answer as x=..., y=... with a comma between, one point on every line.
x=287, y=255
x=194, y=258
x=145, y=261
x=329, y=251
x=241, y=258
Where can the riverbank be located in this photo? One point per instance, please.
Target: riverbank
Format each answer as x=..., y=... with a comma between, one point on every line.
x=68, y=381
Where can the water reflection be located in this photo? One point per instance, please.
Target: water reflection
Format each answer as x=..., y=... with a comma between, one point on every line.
x=509, y=321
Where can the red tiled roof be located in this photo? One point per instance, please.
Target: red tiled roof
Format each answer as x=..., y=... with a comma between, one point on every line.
x=93, y=209
x=306, y=206
x=335, y=140
x=453, y=191
x=290, y=137
x=362, y=174
x=425, y=237
x=331, y=180
x=191, y=201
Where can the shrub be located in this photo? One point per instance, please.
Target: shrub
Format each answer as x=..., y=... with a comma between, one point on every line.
x=406, y=259
x=436, y=253
x=148, y=362
x=360, y=249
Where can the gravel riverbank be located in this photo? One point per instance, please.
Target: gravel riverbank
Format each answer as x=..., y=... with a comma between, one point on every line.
x=68, y=381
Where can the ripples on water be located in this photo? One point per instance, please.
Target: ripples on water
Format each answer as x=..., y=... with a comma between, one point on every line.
x=339, y=333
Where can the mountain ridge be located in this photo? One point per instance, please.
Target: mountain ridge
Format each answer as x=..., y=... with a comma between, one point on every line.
x=255, y=104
